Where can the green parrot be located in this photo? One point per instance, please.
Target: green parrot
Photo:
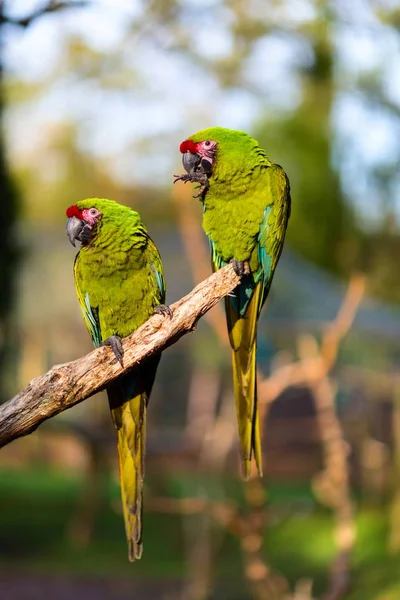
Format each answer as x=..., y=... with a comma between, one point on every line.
x=120, y=283
x=246, y=201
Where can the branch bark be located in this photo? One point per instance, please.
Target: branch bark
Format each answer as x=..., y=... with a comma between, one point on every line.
x=66, y=385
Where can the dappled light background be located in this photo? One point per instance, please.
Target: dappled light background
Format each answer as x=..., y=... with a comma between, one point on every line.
x=96, y=98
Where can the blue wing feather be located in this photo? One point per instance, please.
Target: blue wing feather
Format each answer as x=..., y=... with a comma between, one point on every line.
x=91, y=317
x=159, y=279
x=264, y=273
x=155, y=263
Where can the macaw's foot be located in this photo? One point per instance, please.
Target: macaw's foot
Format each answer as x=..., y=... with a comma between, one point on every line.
x=241, y=267
x=202, y=189
x=115, y=343
x=163, y=309
x=195, y=176
x=185, y=178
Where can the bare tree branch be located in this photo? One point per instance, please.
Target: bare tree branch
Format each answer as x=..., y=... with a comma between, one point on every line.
x=65, y=385
x=50, y=7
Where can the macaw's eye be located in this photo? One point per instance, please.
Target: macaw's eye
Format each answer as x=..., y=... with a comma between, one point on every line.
x=207, y=143
x=93, y=212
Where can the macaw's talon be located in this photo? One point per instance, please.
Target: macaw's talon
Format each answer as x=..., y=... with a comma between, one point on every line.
x=201, y=178
x=163, y=309
x=202, y=190
x=241, y=268
x=115, y=343
x=185, y=178
x=197, y=176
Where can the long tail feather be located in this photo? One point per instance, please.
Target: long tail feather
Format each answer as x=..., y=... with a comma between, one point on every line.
x=129, y=418
x=242, y=336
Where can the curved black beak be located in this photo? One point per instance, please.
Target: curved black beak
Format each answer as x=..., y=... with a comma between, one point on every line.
x=74, y=229
x=190, y=161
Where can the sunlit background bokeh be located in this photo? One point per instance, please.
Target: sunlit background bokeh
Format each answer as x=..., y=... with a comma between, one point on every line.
x=96, y=98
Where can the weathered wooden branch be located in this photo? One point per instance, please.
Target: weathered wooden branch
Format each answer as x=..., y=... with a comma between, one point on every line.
x=65, y=385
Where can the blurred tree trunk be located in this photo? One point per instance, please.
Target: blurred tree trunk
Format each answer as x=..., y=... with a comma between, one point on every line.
x=9, y=254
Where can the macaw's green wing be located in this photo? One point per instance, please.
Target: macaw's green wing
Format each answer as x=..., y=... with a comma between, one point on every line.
x=90, y=313
x=158, y=272
x=272, y=228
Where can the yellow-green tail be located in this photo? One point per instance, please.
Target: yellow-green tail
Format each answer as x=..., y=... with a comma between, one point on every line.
x=243, y=339
x=130, y=421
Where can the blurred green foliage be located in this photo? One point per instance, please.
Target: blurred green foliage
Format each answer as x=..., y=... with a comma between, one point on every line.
x=297, y=544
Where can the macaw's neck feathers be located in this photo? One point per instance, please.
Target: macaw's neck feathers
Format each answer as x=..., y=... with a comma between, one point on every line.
x=119, y=228
x=237, y=152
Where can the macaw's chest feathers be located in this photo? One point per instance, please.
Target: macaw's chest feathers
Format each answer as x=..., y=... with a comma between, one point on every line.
x=110, y=261
x=234, y=209
x=232, y=226
x=117, y=279
x=119, y=236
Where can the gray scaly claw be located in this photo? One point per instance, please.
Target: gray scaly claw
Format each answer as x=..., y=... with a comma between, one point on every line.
x=202, y=189
x=185, y=178
x=195, y=177
x=163, y=309
x=241, y=267
x=115, y=343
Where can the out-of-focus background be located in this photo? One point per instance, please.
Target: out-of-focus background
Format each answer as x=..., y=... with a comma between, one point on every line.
x=96, y=98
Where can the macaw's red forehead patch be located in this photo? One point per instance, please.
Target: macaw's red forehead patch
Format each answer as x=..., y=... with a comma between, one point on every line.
x=73, y=211
x=188, y=146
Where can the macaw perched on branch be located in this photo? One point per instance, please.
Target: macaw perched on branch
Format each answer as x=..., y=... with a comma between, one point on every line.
x=120, y=283
x=246, y=202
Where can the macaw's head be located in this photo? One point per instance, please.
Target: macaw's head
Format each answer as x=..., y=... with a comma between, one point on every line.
x=82, y=222
x=216, y=148
x=198, y=156
x=85, y=218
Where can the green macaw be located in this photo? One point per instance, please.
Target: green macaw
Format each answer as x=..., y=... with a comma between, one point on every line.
x=120, y=283
x=246, y=202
